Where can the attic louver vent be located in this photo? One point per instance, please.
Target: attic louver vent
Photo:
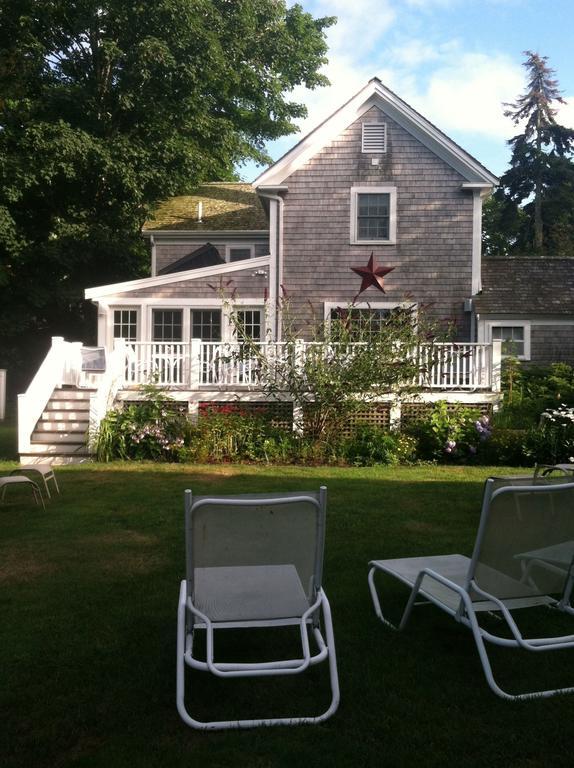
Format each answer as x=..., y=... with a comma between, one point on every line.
x=374, y=137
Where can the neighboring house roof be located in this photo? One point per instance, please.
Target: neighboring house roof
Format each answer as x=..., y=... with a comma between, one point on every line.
x=539, y=286
x=205, y=256
x=378, y=95
x=225, y=207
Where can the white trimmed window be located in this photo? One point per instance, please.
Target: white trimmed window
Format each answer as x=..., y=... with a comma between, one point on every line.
x=167, y=325
x=206, y=324
x=251, y=323
x=373, y=215
x=374, y=138
x=126, y=324
x=239, y=252
x=366, y=318
x=515, y=338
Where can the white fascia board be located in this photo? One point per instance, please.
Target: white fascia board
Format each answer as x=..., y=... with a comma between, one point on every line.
x=185, y=234
x=177, y=277
x=375, y=94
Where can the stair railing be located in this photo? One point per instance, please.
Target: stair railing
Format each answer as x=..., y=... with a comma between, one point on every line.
x=62, y=365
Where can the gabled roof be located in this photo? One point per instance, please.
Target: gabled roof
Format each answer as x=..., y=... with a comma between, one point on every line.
x=534, y=286
x=378, y=95
x=101, y=291
x=205, y=256
x=225, y=207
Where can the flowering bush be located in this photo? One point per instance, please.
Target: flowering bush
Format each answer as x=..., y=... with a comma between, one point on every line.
x=451, y=433
x=553, y=441
x=152, y=428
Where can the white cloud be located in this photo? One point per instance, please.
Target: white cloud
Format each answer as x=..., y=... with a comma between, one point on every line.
x=360, y=24
x=565, y=114
x=466, y=94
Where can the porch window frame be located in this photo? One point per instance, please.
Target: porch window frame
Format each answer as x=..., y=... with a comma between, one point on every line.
x=123, y=308
x=250, y=308
x=243, y=246
x=391, y=191
x=509, y=323
x=176, y=308
x=329, y=306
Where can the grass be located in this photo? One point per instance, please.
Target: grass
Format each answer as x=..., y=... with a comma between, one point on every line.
x=88, y=626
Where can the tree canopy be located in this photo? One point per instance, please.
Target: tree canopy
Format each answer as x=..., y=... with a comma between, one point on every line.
x=533, y=210
x=107, y=107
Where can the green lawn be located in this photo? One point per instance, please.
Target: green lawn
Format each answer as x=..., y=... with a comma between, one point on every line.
x=88, y=628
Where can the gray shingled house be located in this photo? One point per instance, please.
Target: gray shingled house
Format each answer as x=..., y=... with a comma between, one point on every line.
x=374, y=178
x=528, y=304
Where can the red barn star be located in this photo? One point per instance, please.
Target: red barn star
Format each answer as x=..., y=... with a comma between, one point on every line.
x=372, y=275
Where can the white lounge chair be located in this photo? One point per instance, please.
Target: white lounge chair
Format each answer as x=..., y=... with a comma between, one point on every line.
x=5, y=482
x=523, y=557
x=46, y=472
x=254, y=561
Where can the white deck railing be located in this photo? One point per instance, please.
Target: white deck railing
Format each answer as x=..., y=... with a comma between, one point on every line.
x=198, y=364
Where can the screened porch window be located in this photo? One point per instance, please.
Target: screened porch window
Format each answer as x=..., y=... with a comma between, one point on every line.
x=250, y=323
x=167, y=325
x=126, y=324
x=359, y=323
x=206, y=324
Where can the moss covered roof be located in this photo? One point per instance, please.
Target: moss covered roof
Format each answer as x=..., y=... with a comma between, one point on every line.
x=226, y=206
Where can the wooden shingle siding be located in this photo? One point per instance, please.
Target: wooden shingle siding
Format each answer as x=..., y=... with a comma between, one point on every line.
x=551, y=344
x=168, y=253
x=244, y=282
x=432, y=257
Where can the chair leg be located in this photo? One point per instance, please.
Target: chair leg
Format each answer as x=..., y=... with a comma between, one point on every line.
x=217, y=725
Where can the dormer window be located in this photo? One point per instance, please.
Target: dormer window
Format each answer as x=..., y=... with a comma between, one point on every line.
x=374, y=140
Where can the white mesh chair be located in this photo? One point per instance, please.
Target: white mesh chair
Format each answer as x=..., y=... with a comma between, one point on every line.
x=523, y=557
x=254, y=561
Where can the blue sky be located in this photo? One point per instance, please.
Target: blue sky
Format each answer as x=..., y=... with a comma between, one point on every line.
x=455, y=61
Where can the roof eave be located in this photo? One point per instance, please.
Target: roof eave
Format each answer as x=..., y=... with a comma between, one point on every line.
x=398, y=110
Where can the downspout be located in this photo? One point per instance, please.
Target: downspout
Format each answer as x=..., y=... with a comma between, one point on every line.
x=276, y=271
x=153, y=256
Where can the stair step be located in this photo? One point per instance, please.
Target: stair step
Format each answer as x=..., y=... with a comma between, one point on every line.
x=56, y=459
x=64, y=416
x=52, y=425
x=49, y=449
x=68, y=405
x=72, y=394
x=58, y=437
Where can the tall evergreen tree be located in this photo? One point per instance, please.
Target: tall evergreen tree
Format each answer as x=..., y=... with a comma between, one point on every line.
x=540, y=160
x=107, y=106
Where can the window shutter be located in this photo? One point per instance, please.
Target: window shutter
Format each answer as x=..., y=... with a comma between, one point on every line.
x=374, y=137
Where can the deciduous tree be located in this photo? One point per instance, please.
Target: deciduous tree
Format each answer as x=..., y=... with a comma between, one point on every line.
x=107, y=107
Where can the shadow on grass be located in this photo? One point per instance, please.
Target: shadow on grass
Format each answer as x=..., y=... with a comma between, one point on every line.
x=87, y=638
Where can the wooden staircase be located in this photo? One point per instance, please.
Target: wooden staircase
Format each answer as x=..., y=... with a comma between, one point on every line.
x=61, y=433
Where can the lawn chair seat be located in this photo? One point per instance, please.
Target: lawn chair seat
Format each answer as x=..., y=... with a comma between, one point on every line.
x=6, y=482
x=254, y=561
x=45, y=471
x=523, y=557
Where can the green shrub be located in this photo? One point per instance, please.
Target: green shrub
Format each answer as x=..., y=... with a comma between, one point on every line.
x=505, y=447
x=530, y=390
x=152, y=428
x=450, y=433
x=372, y=445
x=553, y=441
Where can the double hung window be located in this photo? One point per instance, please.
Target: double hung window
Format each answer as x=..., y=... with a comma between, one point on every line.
x=373, y=215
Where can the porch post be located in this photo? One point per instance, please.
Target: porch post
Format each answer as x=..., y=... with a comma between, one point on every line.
x=195, y=363
x=496, y=375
